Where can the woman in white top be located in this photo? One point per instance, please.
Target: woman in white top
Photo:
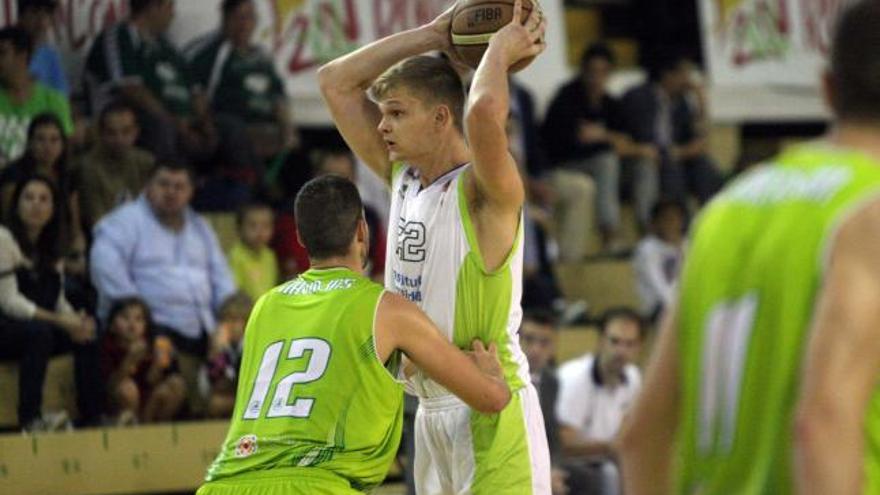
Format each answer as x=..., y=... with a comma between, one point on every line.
x=36, y=321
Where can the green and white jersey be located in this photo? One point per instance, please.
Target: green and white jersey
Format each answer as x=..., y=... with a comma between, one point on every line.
x=757, y=261
x=434, y=260
x=244, y=84
x=120, y=55
x=15, y=118
x=312, y=392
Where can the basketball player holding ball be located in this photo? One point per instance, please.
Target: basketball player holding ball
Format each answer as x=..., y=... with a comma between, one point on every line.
x=456, y=248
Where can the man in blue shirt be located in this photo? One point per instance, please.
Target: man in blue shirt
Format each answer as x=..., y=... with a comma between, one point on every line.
x=35, y=17
x=158, y=248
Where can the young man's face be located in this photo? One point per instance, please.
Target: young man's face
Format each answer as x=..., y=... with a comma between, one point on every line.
x=538, y=341
x=161, y=15
x=240, y=24
x=11, y=61
x=670, y=225
x=621, y=343
x=37, y=22
x=408, y=126
x=596, y=73
x=119, y=131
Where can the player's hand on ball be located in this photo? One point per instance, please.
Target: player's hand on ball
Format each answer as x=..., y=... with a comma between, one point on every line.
x=487, y=359
x=521, y=39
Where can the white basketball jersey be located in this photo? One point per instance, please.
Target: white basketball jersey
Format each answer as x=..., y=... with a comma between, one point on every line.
x=433, y=259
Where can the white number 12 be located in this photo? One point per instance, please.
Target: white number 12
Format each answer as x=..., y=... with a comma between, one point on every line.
x=301, y=407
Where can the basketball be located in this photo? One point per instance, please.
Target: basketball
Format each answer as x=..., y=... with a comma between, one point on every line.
x=475, y=21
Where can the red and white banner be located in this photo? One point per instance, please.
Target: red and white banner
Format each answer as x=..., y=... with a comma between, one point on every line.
x=767, y=42
x=301, y=35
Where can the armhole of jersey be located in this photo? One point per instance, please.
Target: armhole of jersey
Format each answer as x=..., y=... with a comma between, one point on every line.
x=837, y=224
x=471, y=231
x=395, y=358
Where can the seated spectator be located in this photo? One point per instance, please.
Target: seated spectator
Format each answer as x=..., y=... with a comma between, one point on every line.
x=114, y=170
x=133, y=60
x=239, y=80
x=141, y=371
x=226, y=355
x=22, y=97
x=537, y=336
x=253, y=263
x=46, y=155
x=292, y=256
x=667, y=113
x=658, y=258
x=595, y=392
x=581, y=134
x=158, y=248
x=567, y=197
x=36, y=321
x=35, y=17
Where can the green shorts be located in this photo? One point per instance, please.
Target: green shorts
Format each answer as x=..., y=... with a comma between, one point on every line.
x=287, y=481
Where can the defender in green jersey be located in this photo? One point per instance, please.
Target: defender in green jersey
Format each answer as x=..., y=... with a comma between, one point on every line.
x=319, y=407
x=766, y=378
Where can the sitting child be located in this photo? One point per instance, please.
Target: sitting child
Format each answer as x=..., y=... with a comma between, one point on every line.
x=141, y=371
x=226, y=355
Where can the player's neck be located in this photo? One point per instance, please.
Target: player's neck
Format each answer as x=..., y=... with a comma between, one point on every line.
x=445, y=157
x=857, y=136
x=353, y=263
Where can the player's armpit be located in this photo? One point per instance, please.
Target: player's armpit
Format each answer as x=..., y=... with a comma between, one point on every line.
x=400, y=324
x=842, y=363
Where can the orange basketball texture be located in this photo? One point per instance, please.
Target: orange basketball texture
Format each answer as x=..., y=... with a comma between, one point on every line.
x=474, y=22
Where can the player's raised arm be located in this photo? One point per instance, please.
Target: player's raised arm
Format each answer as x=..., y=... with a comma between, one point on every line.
x=497, y=177
x=842, y=364
x=345, y=82
x=477, y=380
x=647, y=437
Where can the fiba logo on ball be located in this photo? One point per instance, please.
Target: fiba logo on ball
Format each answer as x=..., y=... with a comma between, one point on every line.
x=246, y=446
x=485, y=15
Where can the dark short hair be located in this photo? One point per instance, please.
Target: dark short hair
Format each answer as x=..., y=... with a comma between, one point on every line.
x=320, y=157
x=664, y=205
x=20, y=40
x=430, y=79
x=173, y=167
x=119, y=305
x=116, y=106
x=855, y=62
x=665, y=61
x=327, y=211
x=249, y=207
x=597, y=50
x=543, y=317
x=37, y=5
x=227, y=7
x=624, y=313
x=135, y=7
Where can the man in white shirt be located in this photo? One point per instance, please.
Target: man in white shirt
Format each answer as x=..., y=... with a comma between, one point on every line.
x=595, y=392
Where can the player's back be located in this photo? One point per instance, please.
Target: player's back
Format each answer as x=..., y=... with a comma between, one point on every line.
x=312, y=391
x=748, y=290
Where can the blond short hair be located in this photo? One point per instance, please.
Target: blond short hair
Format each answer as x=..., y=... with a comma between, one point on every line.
x=429, y=79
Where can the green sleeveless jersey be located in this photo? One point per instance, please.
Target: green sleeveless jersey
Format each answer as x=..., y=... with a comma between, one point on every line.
x=312, y=391
x=748, y=290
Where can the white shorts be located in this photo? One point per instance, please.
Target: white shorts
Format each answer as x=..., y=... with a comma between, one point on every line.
x=460, y=451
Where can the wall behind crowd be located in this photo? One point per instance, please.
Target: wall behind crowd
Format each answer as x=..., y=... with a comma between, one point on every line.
x=301, y=34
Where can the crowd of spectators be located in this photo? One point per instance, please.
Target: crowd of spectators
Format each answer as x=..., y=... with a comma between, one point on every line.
x=104, y=252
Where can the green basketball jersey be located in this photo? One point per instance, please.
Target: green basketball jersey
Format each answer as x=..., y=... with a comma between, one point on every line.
x=748, y=292
x=312, y=391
